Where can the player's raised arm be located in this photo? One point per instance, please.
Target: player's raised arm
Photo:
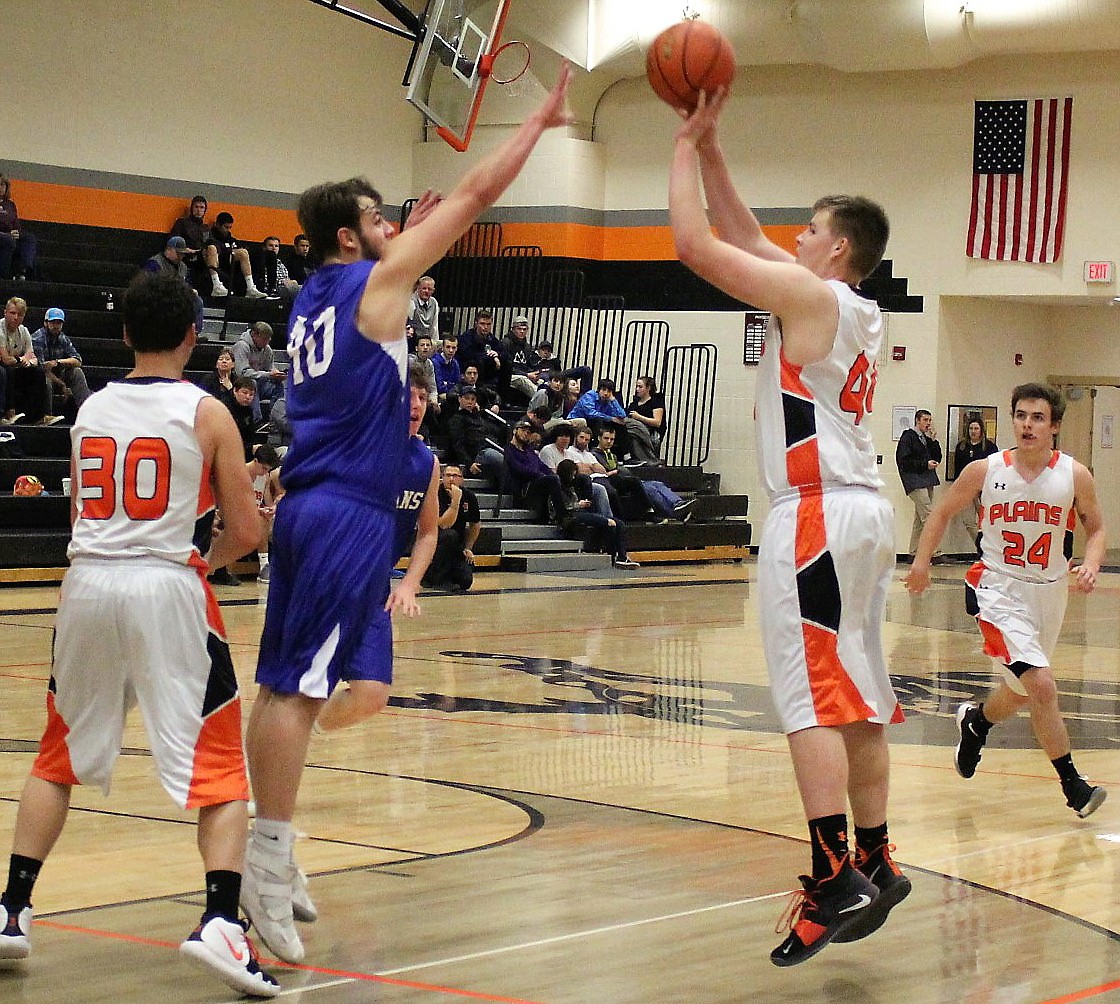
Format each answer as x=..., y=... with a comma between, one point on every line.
x=733, y=219
x=418, y=247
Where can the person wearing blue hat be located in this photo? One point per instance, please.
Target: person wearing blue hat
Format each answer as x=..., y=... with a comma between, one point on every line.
x=171, y=260
x=62, y=363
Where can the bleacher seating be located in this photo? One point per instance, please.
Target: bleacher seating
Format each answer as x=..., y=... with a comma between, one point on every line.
x=84, y=270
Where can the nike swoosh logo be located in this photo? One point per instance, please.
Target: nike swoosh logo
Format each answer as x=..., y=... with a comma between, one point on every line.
x=864, y=900
x=241, y=956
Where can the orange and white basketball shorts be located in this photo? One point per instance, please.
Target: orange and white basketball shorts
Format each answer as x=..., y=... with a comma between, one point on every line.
x=824, y=568
x=148, y=632
x=1020, y=620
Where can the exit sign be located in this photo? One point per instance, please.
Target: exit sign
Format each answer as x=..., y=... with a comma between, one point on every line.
x=1098, y=271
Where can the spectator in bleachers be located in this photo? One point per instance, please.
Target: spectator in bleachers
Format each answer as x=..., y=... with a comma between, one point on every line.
x=540, y=417
x=448, y=374
x=26, y=392
x=487, y=399
x=452, y=567
x=192, y=228
x=224, y=257
x=422, y=360
x=219, y=381
x=62, y=362
x=253, y=357
x=645, y=421
x=466, y=434
x=551, y=395
x=17, y=245
x=625, y=497
x=562, y=448
x=524, y=363
x=480, y=347
x=572, y=394
x=573, y=514
x=272, y=273
x=300, y=265
x=241, y=408
x=172, y=259
x=600, y=409
x=529, y=477
x=661, y=498
x=549, y=362
x=423, y=308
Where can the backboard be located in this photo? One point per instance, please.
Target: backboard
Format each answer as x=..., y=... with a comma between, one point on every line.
x=446, y=82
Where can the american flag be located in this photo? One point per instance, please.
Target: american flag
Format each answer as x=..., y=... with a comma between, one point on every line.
x=1020, y=167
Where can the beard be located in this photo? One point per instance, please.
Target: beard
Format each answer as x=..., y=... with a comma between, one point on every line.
x=369, y=252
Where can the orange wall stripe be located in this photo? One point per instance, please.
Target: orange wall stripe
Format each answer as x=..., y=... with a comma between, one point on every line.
x=103, y=207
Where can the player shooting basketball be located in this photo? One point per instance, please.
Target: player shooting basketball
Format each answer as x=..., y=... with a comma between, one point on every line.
x=827, y=549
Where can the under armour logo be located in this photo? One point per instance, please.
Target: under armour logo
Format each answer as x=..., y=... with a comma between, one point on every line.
x=998, y=486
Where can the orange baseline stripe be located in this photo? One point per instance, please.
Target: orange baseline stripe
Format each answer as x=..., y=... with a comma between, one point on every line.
x=323, y=971
x=1081, y=995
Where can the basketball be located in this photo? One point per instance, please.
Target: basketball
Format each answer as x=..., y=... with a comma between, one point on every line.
x=686, y=59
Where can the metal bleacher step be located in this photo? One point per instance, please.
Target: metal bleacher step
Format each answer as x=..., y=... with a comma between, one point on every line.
x=527, y=531
x=548, y=545
x=575, y=562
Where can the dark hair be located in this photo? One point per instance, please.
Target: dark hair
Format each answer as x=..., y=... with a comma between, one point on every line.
x=423, y=338
x=566, y=471
x=606, y=384
x=451, y=337
x=563, y=429
x=327, y=208
x=544, y=413
x=919, y=414
x=863, y=223
x=158, y=310
x=483, y=313
x=272, y=237
x=223, y=218
x=1040, y=392
x=266, y=454
x=417, y=377
x=650, y=383
x=298, y=238
x=262, y=328
x=608, y=428
x=200, y=198
x=245, y=383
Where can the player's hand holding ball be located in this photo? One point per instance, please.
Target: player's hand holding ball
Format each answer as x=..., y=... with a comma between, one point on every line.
x=689, y=59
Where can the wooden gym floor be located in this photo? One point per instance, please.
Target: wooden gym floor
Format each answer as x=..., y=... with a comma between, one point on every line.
x=579, y=796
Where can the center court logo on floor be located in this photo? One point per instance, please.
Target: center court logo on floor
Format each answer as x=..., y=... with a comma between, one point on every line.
x=1092, y=710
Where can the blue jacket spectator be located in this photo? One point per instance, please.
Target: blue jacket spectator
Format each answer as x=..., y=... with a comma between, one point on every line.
x=599, y=405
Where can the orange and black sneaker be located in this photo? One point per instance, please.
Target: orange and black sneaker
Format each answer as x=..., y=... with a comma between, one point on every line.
x=893, y=887
x=820, y=911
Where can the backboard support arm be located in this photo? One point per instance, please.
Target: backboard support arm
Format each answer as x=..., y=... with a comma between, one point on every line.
x=411, y=21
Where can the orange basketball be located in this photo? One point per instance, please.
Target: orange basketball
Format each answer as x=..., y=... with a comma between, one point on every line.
x=686, y=59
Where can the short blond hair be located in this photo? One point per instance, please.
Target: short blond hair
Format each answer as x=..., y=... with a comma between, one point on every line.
x=18, y=302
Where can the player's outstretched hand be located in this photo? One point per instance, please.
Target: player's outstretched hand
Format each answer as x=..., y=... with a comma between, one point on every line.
x=1084, y=578
x=700, y=125
x=554, y=110
x=917, y=579
x=423, y=208
x=403, y=598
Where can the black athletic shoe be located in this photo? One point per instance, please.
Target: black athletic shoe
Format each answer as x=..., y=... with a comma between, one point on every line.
x=224, y=577
x=893, y=887
x=1083, y=797
x=822, y=910
x=971, y=742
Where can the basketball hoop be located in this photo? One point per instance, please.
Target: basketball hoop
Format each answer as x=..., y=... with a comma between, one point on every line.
x=486, y=63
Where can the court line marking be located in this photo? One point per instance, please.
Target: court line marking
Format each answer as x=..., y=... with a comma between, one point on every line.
x=1081, y=995
x=346, y=977
x=591, y=932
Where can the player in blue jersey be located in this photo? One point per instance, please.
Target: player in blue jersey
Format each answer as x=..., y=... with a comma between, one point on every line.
x=333, y=535
x=417, y=514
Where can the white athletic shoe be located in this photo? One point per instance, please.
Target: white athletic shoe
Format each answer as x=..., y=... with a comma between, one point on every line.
x=220, y=946
x=252, y=293
x=266, y=896
x=303, y=907
x=15, y=938
x=218, y=288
